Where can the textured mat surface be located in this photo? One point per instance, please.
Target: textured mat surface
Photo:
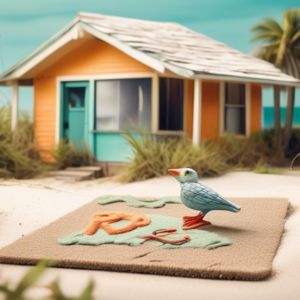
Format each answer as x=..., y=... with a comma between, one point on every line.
x=255, y=232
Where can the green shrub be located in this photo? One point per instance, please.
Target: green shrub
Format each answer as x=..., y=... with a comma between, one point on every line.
x=68, y=154
x=20, y=158
x=263, y=168
x=210, y=158
x=267, y=136
x=18, y=155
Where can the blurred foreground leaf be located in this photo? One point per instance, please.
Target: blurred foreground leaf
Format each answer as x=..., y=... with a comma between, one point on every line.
x=32, y=276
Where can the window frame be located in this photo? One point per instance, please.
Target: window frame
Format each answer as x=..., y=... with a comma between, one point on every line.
x=95, y=104
x=222, y=95
x=173, y=132
x=92, y=78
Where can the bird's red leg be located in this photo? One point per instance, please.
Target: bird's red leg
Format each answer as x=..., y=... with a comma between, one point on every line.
x=194, y=222
x=189, y=218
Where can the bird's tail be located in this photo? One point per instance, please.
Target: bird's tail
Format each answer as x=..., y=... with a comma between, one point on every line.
x=230, y=206
x=234, y=207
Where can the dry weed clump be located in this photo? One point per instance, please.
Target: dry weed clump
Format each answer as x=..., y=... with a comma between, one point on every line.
x=152, y=158
x=21, y=159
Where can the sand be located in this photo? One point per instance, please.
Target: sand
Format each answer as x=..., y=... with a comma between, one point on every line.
x=28, y=205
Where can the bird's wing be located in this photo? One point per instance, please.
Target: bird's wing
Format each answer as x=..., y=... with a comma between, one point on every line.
x=204, y=194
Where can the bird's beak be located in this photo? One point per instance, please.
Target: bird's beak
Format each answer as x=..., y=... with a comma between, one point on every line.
x=175, y=172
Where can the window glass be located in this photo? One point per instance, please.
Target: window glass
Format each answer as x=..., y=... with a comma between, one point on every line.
x=235, y=120
x=123, y=104
x=235, y=117
x=107, y=105
x=235, y=93
x=170, y=104
x=76, y=97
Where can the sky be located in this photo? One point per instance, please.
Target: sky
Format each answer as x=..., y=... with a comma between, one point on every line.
x=25, y=24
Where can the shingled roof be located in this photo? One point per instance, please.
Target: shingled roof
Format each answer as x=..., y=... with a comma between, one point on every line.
x=170, y=46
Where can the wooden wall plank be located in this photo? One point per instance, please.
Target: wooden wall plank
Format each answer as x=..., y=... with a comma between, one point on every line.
x=210, y=110
x=256, y=106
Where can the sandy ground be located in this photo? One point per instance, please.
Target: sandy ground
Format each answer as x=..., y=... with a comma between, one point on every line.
x=28, y=205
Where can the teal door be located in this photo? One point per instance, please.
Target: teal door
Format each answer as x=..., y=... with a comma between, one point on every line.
x=74, y=117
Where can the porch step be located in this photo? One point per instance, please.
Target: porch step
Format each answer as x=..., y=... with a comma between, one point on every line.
x=72, y=179
x=77, y=173
x=97, y=170
x=72, y=175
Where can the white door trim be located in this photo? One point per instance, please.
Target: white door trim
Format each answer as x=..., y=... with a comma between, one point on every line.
x=221, y=107
x=15, y=106
x=248, y=108
x=90, y=78
x=197, y=111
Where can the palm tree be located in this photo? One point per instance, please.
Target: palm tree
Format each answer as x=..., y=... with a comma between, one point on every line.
x=281, y=46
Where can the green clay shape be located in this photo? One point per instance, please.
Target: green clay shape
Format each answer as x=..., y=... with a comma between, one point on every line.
x=135, y=202
x=199, y=238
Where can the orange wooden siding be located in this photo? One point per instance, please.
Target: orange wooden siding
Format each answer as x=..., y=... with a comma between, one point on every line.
x=190, y=107
x=256, y=106
x=92, y=57
x=45, y=112
x=210, y=110
x=95, y=57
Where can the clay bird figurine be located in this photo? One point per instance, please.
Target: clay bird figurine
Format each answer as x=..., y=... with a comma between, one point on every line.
x=198, y=196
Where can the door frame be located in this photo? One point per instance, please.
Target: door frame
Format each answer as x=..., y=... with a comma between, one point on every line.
x=247, y=107
x=90, y=105
x=63, y=86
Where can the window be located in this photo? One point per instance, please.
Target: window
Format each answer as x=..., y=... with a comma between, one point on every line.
x=76, y=97
x=120, y=104
x=170, y=104
x=235, y=108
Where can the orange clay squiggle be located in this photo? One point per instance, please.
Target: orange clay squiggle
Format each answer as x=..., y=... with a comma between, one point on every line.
x=104, y=219
x=158, y=236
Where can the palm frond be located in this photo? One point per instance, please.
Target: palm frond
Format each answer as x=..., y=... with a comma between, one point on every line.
x=271, y=51
x=291, y=20
x=292, y=17
x=267, y=24
x=280, y=40
x=268, y=36
x=296, y=36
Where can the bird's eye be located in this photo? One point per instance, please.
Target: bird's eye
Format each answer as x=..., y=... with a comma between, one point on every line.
x=186, y=173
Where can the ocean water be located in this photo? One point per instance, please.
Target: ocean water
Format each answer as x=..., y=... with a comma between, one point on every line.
x=268, y=116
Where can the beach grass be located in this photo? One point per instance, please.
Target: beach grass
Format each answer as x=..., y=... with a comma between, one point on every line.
x=69, y=154
x=152, y=158
x=20, y=157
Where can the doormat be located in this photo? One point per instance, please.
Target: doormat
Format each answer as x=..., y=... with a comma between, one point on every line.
x=235, y=246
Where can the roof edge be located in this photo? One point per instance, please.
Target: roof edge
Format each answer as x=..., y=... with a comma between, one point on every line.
x=295, y=83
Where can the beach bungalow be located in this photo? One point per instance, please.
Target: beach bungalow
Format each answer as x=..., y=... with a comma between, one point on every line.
x=101, y=74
